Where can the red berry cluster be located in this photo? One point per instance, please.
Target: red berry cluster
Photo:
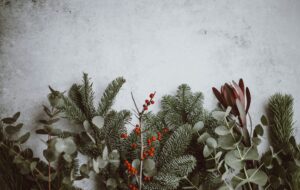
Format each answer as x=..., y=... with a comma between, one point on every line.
x=133, y=187
x=150, y=152
x=148, y=102
x=131, y=170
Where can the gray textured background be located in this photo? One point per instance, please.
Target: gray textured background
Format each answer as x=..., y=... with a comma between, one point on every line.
x=155, y=45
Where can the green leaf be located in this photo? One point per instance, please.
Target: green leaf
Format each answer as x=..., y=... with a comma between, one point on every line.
x=258, y=130
x=49, y=122
x=111, y=183
x=16, y=116
x=219, y=115
x=207, y=151
x=66, y=145
x=233, y=160
x=84, y=170
x=13, y=129
x=98, y=121
x=211, y=143
x=255, y=176
x=41, y=132
x=251, y=154
x=222, y=130
x=8, y=120
x=149, y=165
x=49, y=155
x=264, y=120
x=33, y=166
x=136, y=163
x=24, y=138
x=227, y=142
x=203, y=137
x=198, y=126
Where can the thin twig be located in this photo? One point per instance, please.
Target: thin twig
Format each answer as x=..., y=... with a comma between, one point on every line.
x=136, y=107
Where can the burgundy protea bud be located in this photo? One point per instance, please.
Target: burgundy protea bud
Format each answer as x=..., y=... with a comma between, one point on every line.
x=235, y=96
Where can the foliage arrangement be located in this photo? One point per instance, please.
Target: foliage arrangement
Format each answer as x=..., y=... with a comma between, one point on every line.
x=182, y=146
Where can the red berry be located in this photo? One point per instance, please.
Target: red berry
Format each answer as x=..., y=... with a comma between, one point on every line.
x=145, y=108
x=165, y=130
x=151, y=95
x=133, y=145
x=137, y=130
x=152, y=102
x=153, y=138
x=147, y=102
x=124, y=135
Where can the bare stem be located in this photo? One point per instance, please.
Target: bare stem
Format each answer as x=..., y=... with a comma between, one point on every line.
x=142, y=150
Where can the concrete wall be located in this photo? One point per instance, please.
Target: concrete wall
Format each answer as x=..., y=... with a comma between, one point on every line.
x=155, y=45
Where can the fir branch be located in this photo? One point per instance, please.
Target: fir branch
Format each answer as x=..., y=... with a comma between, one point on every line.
x=180, y=166
x=87, y=95
x=109, y=95
x=176, y=145
x=72, y=111
x=281, y=121
x=113, y=128
x=184, y=107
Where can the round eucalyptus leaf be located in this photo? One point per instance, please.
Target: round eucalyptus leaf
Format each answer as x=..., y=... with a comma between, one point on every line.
x=250, y=154
x=67, y=158
x=257, y=176
x=233, y=160
x=222, y=130
x=219, y=115
x=115, y=163
x=258, y=130
x=211, y=142
x=150, y=173
x=149, y=165
x=264, y=120
x=136, y=163
x=98, y=121
x=84, y=170
x=198, y=126
x=227, y=142
x=66, y=145
x=111, y=183
x=33, y=166
x=49, y=155
x=114, y=155
x=203, y=137
x=207, y=151
x=102, y=163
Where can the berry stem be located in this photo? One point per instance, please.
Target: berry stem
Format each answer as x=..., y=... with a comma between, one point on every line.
x=142, y=151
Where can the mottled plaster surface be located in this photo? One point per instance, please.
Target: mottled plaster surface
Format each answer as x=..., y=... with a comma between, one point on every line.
x=155, y=45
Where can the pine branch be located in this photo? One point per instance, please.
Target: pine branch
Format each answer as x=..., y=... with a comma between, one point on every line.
x=109, y=95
